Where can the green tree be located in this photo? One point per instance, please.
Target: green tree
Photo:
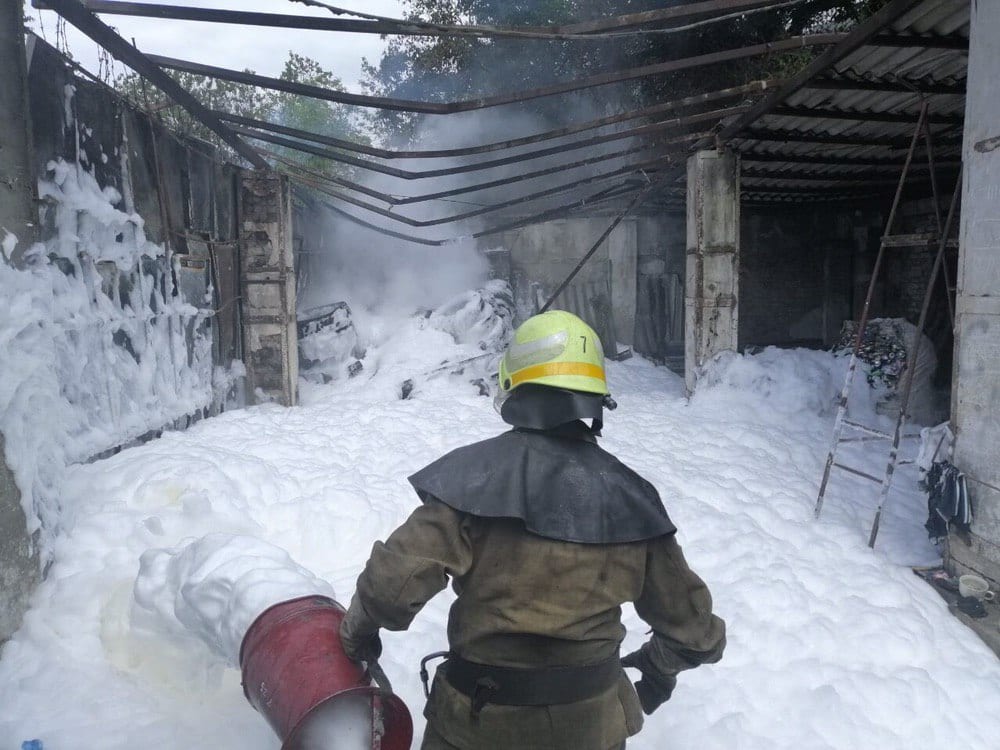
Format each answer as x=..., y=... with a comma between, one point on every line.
x=448, y=68
x=291, y=110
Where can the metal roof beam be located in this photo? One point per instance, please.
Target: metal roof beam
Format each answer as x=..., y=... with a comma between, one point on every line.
x=920, y=41
x=465, y=216
x=586, y=31
x=76, y=14
x=796, y=136
x=405, y=174
x=833, y=161
x=894, y=86
x=443, y=108
x=807, y=176
x=601, y=196
x=664, y=14
x=767, y=190
x=689, y=101
x=853, y=41
x=821, y=113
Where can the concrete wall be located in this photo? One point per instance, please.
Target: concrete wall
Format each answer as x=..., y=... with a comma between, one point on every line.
x=976, y=386
x=795, y=274
x=711, y=284
x=907, y=270
x=268, y=274
x=659, y=322
x=542, y=255
x=187, y=197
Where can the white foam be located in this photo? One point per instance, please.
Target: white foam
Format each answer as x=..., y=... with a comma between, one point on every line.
x=831, y=645
x=216, y=586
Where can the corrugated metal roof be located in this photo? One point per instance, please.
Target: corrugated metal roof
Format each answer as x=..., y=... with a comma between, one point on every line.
x=848, y=129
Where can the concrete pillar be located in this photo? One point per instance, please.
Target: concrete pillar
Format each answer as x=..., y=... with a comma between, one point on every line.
x=713, y=252
x=270, y=341
x=19, y=567
x=976, y=378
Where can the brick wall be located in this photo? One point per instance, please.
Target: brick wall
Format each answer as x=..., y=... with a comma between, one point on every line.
x=795, y=274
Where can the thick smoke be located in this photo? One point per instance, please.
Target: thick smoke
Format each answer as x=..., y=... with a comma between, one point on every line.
x=386, y=275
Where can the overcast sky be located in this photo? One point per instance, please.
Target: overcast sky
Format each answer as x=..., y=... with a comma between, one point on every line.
x=261, y=49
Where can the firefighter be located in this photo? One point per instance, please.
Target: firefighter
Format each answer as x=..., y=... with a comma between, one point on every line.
x=544, y=536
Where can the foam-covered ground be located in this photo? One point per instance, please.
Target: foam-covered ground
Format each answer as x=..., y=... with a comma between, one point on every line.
x=831, y=645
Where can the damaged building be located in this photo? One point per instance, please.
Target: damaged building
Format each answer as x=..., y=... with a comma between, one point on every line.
x=864, y=186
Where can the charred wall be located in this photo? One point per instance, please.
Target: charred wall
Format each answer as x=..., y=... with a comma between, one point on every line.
x=129, y=339
x=184, y=191
x=796, y=268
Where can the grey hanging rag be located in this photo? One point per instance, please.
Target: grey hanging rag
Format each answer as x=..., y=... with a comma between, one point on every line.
x=947, y=500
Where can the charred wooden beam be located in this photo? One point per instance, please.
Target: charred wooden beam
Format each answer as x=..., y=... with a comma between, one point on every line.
x=443, y=108
x=904, y=118
x=688, y=101
x=76, y=14
x=857, y=38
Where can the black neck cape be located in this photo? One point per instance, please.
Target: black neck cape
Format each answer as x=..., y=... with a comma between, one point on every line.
x=560, y=483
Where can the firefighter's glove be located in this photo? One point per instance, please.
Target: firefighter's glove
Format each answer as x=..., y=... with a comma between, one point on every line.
x=653, y=688
x=365, y=647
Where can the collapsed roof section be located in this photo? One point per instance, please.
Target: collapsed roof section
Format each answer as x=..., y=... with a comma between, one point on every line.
x=837, y=129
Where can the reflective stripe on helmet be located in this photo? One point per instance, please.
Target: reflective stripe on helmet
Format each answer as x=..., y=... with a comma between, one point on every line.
x=520, y=356
x=583, y=369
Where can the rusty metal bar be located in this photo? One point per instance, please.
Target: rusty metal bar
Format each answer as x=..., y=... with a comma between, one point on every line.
x=896, y=85
x=857, y=38
x=75, y=13
x=921, y=41
x=869, y=178
x=661, y=146
x=707, y=97
x=660, y=15
x=599, y=197
x=539, y=195
x=929, y=144
x=596, y=198
x=388, y=214
x=911, y=362
x=797, y=136
x=406, y=174
x=612, y=27
x=808, y=191
x=833, y=161
x=865, y=311
x=844, y=114
x=442, y=108
x=593, y=249
x=443, y=194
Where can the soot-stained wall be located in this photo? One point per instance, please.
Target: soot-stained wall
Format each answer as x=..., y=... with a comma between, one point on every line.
x=183, y=190
x=796, y=266
x=121, y=314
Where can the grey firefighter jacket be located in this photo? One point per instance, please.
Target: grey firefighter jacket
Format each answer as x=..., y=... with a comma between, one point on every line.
x=526, y=600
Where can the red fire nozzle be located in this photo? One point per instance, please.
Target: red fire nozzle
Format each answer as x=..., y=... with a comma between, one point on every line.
x=296, y=674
